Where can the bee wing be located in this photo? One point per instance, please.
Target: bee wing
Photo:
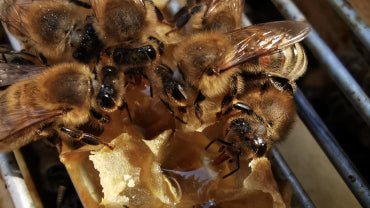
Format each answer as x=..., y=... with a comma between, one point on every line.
x=12, y=17
x=250, y=42
x=98, y=8
x=236, y=6
x=11, y=73
x=139, y=2
x=19, y=120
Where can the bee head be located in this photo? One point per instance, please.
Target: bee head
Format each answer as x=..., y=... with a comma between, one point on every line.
x=108, y=97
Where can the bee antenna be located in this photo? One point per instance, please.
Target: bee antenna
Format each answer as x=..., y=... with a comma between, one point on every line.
x=236, y=169
x=218, y=140
x=172, y=112
x=126, y=107
x=179, y=119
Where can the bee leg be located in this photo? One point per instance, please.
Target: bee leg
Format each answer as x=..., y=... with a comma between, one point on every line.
x=217, y=140
x=173, y=113
x=182, y=17
x=185, y=18
x=60, y=195
x=86, y=138
x=124, y=105
x=151, y=90
x=136, y=74
x=50, y=137
x=198, y=109
x=227, y=100
x=43, y=59
x=102, y=118
x=236, y=169
x=4, y=57
x=221, y=158
x=159, y=14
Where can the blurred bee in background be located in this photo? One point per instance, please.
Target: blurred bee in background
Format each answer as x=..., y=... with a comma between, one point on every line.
x=57, y=31
x=210, y=15
x=56, y=102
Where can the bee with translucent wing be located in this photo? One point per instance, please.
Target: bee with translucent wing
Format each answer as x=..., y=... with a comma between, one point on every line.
x=56, y=101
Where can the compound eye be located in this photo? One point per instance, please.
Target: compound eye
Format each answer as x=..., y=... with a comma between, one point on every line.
x=259, y=146
x=150, y=52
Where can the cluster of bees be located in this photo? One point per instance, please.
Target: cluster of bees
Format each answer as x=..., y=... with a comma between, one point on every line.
x=202, y=64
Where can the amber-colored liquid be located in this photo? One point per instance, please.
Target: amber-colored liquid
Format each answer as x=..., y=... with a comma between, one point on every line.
x=169, y=170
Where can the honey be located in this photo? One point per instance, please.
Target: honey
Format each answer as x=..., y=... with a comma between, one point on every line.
x=170, y=169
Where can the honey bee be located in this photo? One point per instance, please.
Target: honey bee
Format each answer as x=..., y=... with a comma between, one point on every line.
x=130, y=31
x=256, y=119
x=244, y=78
x=55, y=30
x=124, y=22
x=209, y=65
x=57, y=102
x=213, y=15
